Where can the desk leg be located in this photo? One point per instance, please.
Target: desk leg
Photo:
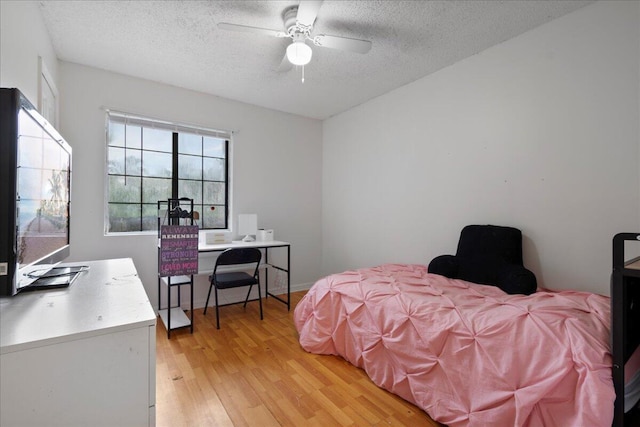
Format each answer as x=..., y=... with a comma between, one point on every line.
x=266, y=273
x=191, y=307
x=168, y=325
x=288, y=278
x=287, y=270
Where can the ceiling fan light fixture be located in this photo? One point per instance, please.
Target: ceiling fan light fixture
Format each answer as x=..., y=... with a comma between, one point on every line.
x=299, y=53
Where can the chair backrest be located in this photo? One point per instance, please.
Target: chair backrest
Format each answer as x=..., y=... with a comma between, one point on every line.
x=236, y=256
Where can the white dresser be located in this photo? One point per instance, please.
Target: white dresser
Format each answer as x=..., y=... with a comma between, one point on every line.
x=81, y=356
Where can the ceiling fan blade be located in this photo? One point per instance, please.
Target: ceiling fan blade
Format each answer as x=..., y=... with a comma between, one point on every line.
x=285, y=65
x=247, y=29
x=307, y=11
x=342, y=43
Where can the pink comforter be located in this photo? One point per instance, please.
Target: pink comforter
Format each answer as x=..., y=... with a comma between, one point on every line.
x=467, y=354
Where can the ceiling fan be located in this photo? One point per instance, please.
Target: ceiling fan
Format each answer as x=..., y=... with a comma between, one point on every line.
x=298, y=26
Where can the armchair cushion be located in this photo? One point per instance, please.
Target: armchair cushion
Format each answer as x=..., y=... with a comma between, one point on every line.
x=489, y=255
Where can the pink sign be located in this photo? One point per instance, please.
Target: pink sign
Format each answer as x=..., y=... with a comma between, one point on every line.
x=178, y=250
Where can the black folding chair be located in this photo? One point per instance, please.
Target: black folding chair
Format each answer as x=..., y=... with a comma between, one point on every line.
x=236, y=279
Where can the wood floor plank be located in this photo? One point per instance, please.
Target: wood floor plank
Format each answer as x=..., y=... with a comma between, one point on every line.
x=322, y=418
x=260, y=416
x=254, y=373
x=295, y=400
x=289, y=413
x=360, y=416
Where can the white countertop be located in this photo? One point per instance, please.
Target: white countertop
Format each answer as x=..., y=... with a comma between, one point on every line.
x=107, y=298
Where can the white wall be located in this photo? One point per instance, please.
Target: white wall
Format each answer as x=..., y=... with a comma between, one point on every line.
x=540, y=132
x=24, y=38
x=269, y=148
x=276, y=166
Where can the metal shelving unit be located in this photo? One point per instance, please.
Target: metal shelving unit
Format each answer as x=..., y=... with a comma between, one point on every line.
x=174, y=212
x=625, y=321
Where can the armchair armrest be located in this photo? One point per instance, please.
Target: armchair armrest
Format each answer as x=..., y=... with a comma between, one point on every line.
x=515, y=279
x=445, y=265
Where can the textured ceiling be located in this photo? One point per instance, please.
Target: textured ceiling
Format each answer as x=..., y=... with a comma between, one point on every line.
x=178, y=43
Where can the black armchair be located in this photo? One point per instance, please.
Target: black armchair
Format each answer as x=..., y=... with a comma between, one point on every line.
x=489, y=255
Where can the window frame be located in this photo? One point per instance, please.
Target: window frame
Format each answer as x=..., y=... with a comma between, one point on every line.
x=176, y=129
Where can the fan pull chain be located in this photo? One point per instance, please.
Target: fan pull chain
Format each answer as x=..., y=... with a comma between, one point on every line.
x=303, y=74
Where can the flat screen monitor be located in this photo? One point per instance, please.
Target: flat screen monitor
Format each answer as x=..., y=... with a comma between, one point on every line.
x=35, y=163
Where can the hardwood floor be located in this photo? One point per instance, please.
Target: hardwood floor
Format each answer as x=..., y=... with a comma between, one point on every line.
x=254, y=373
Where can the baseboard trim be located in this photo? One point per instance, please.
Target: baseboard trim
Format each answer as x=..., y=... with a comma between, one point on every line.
x=232, y=296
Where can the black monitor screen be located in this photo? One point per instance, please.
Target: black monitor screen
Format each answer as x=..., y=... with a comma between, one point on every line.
x=43, y=189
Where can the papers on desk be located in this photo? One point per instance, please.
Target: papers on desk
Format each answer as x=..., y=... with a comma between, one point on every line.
x=217, y=237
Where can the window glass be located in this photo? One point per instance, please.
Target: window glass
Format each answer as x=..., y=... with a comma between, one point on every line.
x=214, y=169
x=116, y=134
x=149, y=217
x=157, y=140
x=189, y=143
x=191, y=189
x=190, y=167
x=124, y=189
x=157, y=164
x=117, y=166
x=213, y=218
x=214, y=147
x=154, y=189
x=116, y=161
x=214, y=193
x=134, y=136
x=124, y=217
x=140, y=159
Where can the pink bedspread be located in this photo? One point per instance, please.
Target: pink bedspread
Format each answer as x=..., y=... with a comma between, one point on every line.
x=467, y=354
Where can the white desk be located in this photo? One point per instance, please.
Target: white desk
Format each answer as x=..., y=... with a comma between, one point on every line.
x=79, y=356
x=176, y=317
x=202, y=247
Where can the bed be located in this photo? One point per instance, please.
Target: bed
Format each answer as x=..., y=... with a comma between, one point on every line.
x=467, y=354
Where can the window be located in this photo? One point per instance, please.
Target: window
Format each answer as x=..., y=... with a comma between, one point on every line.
x=149, y=160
